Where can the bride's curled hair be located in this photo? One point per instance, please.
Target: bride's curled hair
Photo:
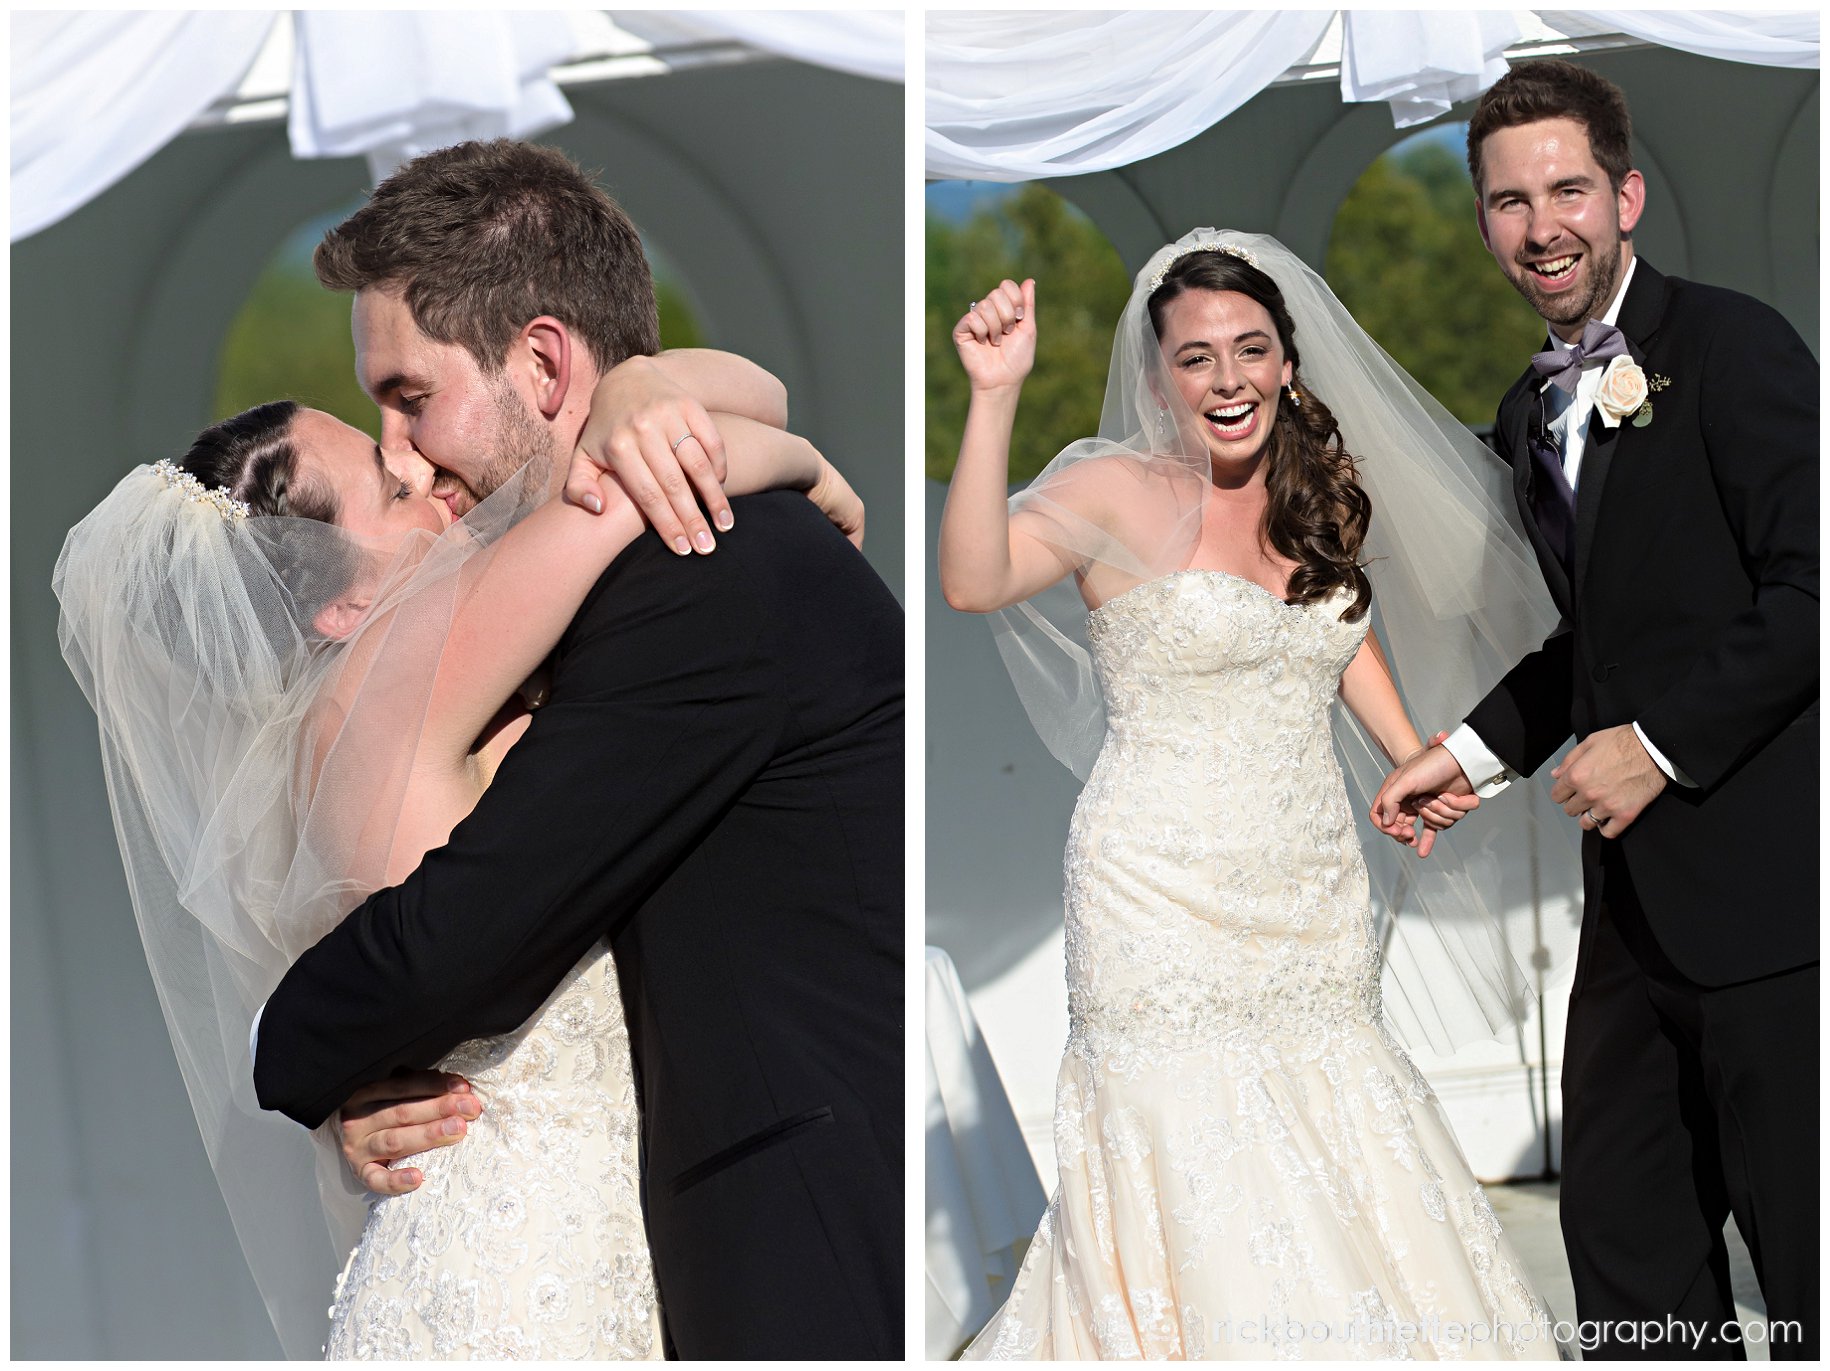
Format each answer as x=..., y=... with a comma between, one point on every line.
x=1317, y=514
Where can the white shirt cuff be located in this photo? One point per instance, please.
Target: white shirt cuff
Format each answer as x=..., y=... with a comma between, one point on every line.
x=1660, y=760
x=254, y=1032
x=1485, y=772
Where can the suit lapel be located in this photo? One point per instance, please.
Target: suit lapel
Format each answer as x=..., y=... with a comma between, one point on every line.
x=1591, y=482
x=1640, y=315
x=1515, y=427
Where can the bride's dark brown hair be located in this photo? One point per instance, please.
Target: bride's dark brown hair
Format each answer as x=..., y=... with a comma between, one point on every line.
x=1316, y=514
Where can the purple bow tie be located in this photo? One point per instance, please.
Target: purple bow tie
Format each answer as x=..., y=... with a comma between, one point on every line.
x=1564, y=369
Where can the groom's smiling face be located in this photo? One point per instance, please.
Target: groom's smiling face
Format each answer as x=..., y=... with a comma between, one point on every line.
x=1553, y=221
x=476, y=426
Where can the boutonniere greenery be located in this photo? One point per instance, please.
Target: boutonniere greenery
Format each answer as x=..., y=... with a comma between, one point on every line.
x=1626, y=393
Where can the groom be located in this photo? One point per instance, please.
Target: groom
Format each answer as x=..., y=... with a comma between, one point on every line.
x=715, y=782
x=1664, y=449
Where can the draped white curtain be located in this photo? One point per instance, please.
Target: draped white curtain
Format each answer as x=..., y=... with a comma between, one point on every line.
x=860, y=42
x=394, y=84
x=1017, y=95
x=95, y=93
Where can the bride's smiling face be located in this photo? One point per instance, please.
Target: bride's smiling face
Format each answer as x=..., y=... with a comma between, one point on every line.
x=381, y=497
x=1222, y=350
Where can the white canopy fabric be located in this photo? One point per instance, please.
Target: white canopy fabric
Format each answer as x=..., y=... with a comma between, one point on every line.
x=473, y=74
x=1018, y=95
x=862, y=42
x=96, y=93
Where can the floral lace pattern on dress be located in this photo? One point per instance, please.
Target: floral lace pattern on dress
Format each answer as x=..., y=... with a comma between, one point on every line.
x=525, y=1240
x=1249, y=1164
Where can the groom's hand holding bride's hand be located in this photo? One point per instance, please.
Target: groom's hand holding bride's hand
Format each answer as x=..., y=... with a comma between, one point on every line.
x=662, y=448
x=405, y=1115
x=1429, y=786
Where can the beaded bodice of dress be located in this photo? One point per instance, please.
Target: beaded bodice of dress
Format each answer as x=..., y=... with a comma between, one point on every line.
x=526, y=1239
x=1215, y=887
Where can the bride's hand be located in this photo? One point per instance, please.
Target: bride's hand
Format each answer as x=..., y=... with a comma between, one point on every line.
x=402, y=1116
x=663, y=449
x=839, y=503
x=996, y=337
x=1438, y=812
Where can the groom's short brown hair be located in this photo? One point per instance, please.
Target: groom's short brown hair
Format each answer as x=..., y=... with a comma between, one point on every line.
x=1550, y=89
x=479, y=238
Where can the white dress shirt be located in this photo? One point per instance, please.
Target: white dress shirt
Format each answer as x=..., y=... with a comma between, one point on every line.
x=1569, y=416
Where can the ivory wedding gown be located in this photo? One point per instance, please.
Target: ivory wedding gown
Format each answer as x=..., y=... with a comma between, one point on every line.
x=1245, y=1153
x=525, y=1241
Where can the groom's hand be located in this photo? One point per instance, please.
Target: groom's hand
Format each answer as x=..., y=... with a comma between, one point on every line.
x=1607, y=781
x=663, y=449
x=402, y=1116
x=1424, y=794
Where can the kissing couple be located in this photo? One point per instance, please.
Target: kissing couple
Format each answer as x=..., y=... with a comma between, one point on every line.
x=562, y=859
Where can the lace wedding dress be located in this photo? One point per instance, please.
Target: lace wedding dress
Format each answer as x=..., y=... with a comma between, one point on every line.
x=1249, y=1165
x=525, y=1241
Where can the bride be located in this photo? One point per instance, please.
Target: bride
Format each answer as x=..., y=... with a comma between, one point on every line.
x=1249, y=1164
x=306, y=670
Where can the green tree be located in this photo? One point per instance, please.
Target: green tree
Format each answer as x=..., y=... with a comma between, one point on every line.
x=1406, y=259
x=291, y=341
x=1081, y=286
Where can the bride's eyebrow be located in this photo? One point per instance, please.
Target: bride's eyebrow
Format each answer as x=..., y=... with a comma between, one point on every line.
x=1209, y=347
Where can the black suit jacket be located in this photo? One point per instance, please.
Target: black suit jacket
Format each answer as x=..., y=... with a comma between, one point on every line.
x=716, y=783
x=1692, y=610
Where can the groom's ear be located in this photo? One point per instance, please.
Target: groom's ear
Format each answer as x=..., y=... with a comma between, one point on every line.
x=1630, y=199
x=1480, y=220
x=545, y=346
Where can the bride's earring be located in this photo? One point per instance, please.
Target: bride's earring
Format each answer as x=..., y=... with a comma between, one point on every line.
x=1294, y=396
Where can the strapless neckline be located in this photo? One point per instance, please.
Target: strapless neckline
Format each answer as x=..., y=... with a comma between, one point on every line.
x=1245, y=582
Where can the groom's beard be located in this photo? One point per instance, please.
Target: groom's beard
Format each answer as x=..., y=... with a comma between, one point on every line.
x=517, y=440
x=1590, y=302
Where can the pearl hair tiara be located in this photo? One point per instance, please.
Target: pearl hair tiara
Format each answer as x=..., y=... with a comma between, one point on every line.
x=1204, y=245
x=196, y=492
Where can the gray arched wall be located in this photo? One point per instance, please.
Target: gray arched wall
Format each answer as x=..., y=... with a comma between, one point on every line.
x=774, y=188
x=1743, y=215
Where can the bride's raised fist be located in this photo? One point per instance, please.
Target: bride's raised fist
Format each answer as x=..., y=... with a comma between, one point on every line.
x=996, y=336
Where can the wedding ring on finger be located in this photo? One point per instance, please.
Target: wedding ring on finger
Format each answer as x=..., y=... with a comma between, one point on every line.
x=1589, y=814
x=681, y=439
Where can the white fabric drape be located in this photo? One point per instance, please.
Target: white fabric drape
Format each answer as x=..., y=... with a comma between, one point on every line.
x=1017, y=95
x=983, y=1194
x=859, y=42
x=393, y=84
x=1422, y=62
x=1771, y=38
x=95, y=94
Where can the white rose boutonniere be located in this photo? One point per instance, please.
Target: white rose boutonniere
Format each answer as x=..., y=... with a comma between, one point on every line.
x=1623, y=391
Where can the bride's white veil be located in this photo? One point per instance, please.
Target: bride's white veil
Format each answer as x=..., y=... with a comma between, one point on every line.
x=256, y=769
x=1457, y=600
